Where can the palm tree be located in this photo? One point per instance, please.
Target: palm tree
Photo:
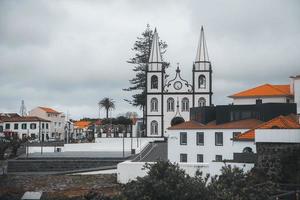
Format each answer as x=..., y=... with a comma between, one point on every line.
x=108, y=104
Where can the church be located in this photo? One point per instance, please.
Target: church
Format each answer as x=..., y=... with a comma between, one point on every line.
x=169, y=98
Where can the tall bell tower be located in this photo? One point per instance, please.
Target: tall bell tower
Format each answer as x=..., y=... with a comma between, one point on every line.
x=155, y=83
x=202, y=75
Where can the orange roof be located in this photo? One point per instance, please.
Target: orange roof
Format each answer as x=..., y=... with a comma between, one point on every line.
x=82, y=124
x=281, y=122
x=49, y=110
x=241, y=124
x=187, y=125
x=265, y=90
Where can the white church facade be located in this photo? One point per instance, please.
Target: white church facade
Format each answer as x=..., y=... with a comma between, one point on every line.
x=169, y=98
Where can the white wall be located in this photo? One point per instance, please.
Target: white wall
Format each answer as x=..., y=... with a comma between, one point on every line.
x=296, y=88
x=35, y=149
x=111, y=144
x=277, y=135
x=57, y=124
x=245, y=101
x=28, y=131
x=209, y=149
x=127, y=171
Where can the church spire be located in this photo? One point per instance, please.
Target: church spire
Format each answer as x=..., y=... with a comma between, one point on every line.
x=202, y=59
x=155, y=59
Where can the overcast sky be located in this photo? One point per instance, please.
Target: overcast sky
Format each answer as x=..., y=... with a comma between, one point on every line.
x=70, y=54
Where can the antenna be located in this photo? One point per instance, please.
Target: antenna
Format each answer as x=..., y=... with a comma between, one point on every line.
x=23, y=111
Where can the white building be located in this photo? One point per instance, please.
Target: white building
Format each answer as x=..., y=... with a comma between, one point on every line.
x=57, y=119
x=269, y=93
x=192, y=142
x=27, y=126
x=162, y=94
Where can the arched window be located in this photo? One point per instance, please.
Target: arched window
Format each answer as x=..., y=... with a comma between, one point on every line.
x=185, y=104
x=154, y=82
x=170, y=104
x=154, y=128
x=247, y=150
x=201, y=102
x=154, y=104
x=202, y=82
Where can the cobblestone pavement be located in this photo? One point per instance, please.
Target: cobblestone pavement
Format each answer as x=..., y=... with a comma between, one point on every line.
x=59, y=185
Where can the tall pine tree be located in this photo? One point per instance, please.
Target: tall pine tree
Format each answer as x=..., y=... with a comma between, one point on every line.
x=142, y=48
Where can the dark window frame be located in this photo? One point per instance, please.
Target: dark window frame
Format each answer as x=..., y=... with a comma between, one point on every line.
x=216, y=139
x=219, y=158
x=24, y=126
x=198, y=134
x=16, y=126
x=154, y=82
x=200, y=156
x=182, y=134
x=183, y=157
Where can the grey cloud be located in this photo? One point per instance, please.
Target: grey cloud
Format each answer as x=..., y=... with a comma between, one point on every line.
x=70, y=54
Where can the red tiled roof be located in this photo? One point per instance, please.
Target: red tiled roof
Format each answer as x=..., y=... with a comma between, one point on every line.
x=24, y=119
x=82, y=124
x=281, y=122
x=265, y=90
x=241, y=124
x=49, y=110
x=187, y=125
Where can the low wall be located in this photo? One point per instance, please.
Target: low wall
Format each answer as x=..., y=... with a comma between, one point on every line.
x=116, y=144
x=44, y=149
x=127, y=171
x=101, y=144
x=56, y=165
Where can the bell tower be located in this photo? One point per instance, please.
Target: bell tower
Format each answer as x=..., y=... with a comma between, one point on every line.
x=155, y=82
x=202, y=75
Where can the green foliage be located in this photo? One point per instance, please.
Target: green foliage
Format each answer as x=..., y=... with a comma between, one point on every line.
x=165, y=181
x=142, y=48
x=107, y=104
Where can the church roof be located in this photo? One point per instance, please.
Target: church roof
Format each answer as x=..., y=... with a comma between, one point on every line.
x=281, y=122
x=155, y=55
x=264, y=90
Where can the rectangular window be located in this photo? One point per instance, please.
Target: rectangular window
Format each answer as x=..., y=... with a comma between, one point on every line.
x=183, y=138
x=219, y=138
x=16, y=126
x=200, y=138
x=32, y=126
x=7, y=126
x=199, y=157
x=24, y=126
x=43, y=125
x=47, y=126
x=183, y=157
x=258, y=101
x=235, y=134
x=219, y=158
x=1, y=129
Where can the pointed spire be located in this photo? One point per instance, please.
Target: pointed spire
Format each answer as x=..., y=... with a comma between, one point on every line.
x=155, y=58
x=202, y=53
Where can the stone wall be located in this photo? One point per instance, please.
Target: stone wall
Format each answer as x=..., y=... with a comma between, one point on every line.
x=280, y=161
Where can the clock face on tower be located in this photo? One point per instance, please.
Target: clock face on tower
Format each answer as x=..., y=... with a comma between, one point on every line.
x=177, y=85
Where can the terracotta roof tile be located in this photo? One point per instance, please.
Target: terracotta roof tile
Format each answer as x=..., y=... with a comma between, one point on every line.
x=281, y=122
x=241, y=124
x=24, y=119
x=49, y=110
x=265, y=90
x=82, y=124
x=187, y=125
